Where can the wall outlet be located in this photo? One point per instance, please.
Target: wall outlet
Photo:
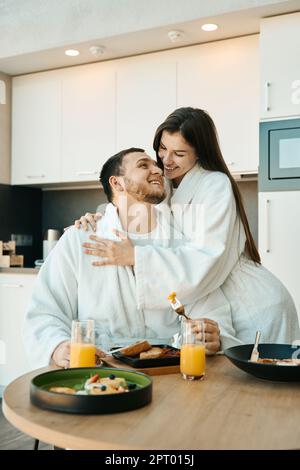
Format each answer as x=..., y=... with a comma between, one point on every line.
x=21, y=239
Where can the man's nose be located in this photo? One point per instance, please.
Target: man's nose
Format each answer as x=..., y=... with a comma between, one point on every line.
x=156, y=170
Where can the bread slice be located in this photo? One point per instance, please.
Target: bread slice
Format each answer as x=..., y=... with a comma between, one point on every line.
x=152, y=353
x=136, y=348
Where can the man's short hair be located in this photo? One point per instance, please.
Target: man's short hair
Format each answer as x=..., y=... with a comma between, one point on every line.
x=113, y=167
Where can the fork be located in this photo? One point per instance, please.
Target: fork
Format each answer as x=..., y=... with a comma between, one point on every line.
x=255, y=354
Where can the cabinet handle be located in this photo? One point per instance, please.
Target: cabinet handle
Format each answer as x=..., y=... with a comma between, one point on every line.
x=92, y=172
x=12, y=285
x=267, y=88
x=35, y=176
x=267, y=218
x=231, y=163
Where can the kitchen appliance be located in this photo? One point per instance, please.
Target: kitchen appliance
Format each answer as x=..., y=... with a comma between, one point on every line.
x=51, y=237
x=279, y=159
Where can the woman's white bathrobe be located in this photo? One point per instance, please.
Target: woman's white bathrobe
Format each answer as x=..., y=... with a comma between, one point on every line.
x=213, y=263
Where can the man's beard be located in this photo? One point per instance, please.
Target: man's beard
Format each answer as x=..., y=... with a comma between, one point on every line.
x=140, y=192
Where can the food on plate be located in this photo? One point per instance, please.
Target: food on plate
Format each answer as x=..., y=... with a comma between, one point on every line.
x=144, y=350
x=280, y=362
x=136, y=348
x=96, y=385
x=67, y=390
x=152, y=353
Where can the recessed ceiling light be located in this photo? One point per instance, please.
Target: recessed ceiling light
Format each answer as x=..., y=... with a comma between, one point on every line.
x=209, y=27
x=72, y=52
x=175, y=35
x=97, y=51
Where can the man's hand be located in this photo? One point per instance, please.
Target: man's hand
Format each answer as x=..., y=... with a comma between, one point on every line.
x=212, y=336
x=61, y=355
x=113, y=253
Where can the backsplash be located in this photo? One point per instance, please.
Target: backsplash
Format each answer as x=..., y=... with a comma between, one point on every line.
x=21, y=213
x=62, y=207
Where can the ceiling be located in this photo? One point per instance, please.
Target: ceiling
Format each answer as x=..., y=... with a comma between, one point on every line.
x=29, y=45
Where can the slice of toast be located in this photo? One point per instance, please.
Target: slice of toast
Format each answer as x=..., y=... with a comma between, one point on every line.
x=152, y=353
x=136, y=348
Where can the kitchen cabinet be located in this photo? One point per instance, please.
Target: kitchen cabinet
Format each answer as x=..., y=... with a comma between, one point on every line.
x=146, y=94
x=223, y=79
x=15, y=293
x=67, y=122
x=36, y=129
x=5, y=124
x=88, y=120
x=279, y=229
x=280, y=66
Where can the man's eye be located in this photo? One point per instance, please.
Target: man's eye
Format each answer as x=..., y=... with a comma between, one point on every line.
x=144, y=165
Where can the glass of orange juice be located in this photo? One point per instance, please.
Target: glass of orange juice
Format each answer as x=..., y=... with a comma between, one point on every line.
x=83, y=347
x=192, y=353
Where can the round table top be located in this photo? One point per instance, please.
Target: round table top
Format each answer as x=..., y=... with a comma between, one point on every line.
x=227, y=410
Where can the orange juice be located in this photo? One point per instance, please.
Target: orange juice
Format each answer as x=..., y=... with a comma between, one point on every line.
x=192, y=360
x=82, y=355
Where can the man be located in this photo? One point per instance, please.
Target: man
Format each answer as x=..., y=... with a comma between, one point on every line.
x=70, y=287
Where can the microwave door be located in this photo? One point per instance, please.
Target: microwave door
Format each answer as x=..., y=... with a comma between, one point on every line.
x=284, y=153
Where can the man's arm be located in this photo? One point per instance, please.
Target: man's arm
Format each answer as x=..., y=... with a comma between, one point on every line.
x=54, y=301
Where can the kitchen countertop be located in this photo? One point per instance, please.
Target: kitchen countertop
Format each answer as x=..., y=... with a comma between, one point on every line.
x=19, y=270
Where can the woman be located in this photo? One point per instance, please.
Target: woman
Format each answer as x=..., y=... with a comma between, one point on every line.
x=220, y=252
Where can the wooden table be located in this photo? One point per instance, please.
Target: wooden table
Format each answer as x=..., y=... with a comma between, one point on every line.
x=227, y=410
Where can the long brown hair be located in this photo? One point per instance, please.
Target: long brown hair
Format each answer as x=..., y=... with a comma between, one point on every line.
x=198, y=129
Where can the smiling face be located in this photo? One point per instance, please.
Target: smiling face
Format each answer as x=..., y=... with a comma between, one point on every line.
x=142, y=179
x=177, y=156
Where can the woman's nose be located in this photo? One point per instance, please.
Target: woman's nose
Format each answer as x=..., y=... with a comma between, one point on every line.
x=167, y=158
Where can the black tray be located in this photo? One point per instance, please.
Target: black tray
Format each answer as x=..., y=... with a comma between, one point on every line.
x=89, y=404
x=240, y=355
x=147, y=363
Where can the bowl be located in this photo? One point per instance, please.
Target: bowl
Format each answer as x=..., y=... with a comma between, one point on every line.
x=240, y=355
x=41, y=396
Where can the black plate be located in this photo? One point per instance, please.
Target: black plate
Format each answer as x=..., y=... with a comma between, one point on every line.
x=89, y=404
x=240, y=355
x=147, y=363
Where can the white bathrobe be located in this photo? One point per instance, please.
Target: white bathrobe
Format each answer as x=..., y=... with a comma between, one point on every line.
x=213, y=265
x=69, y=287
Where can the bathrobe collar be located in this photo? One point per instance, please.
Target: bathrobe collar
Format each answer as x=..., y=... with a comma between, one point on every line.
x=189, y=184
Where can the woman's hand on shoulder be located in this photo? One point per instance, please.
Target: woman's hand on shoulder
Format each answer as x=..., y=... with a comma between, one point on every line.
x=87, y=221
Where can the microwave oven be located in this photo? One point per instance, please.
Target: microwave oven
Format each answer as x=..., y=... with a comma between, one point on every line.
x=279, y=155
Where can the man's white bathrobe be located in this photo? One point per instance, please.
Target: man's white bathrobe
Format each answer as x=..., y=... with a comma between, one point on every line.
x=213, y=263
x=69, y=287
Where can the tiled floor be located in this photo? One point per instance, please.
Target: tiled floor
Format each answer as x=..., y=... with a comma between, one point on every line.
x=12, y=439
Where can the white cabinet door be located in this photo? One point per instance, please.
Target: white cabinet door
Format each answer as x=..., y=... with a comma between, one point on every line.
x=146, y=94
x=279, y=235
x=88, y=120
x=223, y=79
x=36, y=127
x=15, y=293
x=280, y=66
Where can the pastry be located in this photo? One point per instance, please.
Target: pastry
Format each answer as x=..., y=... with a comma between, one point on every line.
x=136, y=348
x=152, y=353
